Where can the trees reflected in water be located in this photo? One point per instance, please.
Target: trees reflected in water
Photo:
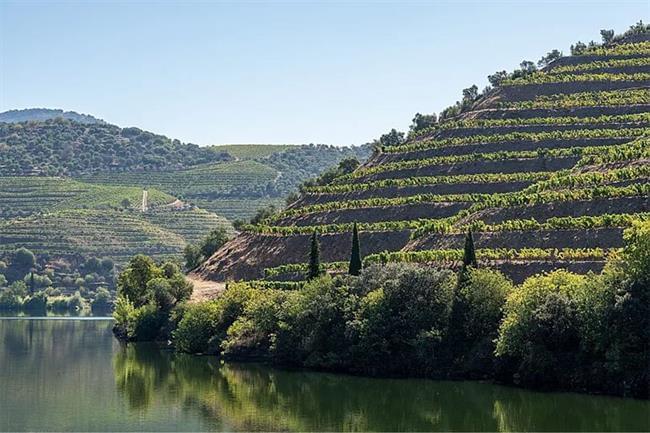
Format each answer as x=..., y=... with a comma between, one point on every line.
x=257, y=397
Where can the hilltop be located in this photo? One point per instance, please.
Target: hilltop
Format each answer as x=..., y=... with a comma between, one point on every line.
x=40, y=114
x=547, y=168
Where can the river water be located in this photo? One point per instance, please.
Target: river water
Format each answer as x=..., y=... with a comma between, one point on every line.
x=72, y=375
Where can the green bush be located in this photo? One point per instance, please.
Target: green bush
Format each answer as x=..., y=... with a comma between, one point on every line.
x=36, y=303
x=400, y=325
x=101, y=301
x=203, y=326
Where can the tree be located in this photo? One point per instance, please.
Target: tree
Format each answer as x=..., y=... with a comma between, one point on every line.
x=549, y=58
x=102, y=300
x=578, y=49
x=423, y=121
x=126, y=203
x=314, y=258
x=215, y=240
x=92, y=265
x=193, y=256
x=24, y=259
x=132, y=282
x=469, y=253
x=496, y=78
x=262, y=214
x=392, y=138
x=527, y=67
x=607, y=35
x=107, y=265
x=355, y=255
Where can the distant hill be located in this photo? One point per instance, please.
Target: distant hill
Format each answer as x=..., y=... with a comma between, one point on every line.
x=61, y=147
x=547, y=169
x=73, y=190
x=257, y=176
x=38, y=114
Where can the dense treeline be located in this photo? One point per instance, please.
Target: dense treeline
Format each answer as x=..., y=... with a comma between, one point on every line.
x=557, y=330
x=63, y=147
x=36, y=284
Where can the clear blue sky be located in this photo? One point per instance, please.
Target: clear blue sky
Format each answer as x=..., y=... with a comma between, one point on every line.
x=276, y=72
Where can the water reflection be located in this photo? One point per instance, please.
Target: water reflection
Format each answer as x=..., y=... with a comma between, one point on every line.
x=255, y=397
x=72, y=375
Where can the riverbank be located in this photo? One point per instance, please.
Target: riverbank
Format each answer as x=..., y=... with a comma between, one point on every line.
x=553, y=331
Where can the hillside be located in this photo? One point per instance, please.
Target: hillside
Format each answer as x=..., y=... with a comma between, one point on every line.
x=40, y=114
x=64, y=218
x=547, y=169
x=59, y=147
x=74, y=189
x=256, y=176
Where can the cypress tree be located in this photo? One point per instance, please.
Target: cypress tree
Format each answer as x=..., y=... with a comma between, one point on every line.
x=31, y=282
x=469, y=253
x=355, y=255
x=314, y=258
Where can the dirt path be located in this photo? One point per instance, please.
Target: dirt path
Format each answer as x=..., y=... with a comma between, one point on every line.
x=204, y=289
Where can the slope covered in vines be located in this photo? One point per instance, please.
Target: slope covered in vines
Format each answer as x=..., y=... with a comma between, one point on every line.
x=547, y=169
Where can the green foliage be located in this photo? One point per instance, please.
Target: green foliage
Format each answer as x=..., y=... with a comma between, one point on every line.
x=479, y=302
x=315, y=269
x=36, y=303
x=102, y=300
x=572, y=134
x=602, y=64
x=391, y=138
x=337, y=188
x=193, y=256
x=23, y=258
x=147, y=294
x=469, y=254
x=346, y=166
x=132, y=282
x=399, y=326
x=482, y=200
x=64, y=147
x=627, y=119
x=355, y=254
x=543, y=78
x=213, y=241
x=203, y=326
x=608, y=98
x=422, y=122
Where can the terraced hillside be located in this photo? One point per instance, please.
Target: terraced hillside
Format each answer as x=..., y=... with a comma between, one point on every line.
x=61, y=217
x=255, y=177
x=547, y=169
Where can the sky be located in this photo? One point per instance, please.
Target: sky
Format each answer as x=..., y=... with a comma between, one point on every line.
x=335, y=72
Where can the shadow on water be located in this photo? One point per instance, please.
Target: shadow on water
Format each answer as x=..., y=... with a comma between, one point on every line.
x=256, y=397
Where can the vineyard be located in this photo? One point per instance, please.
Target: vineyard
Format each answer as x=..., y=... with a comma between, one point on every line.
x=68, y=218
x=546, y=169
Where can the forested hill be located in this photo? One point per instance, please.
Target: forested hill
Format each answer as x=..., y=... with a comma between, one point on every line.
x=39, y=114
x=59, y=147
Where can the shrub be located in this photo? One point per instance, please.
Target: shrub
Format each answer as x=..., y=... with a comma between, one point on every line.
x=254, y=332
x=312, y=329
x=204, y=325
x=102, y=300
x=399, y=325
x=36, y=303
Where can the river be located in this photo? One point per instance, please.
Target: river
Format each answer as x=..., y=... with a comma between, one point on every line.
x=72, y=375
